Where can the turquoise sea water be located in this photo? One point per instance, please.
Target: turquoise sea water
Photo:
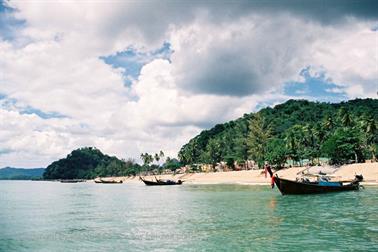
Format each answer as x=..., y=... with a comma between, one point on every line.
x=50, y=216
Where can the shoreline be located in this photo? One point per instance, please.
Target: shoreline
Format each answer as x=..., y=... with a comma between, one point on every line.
x=257, y=177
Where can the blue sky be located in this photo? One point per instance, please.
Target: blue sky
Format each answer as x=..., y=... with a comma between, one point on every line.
x=2, y=6
x=8, y=24
x=10, y=104
x=203, y=63
x=315, y=88
x=132, y=60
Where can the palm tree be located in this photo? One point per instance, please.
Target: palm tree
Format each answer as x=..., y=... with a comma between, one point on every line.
x=329, y=123
x=157, y=157
x=345, y=117
x=147, y=158
x=260, y=132
x=369, y=126
x=309, y=141
x=213, y=151
x=187, y=155
x=161, y=154
x=320, y=136
x=142, y=156
x=293, y=139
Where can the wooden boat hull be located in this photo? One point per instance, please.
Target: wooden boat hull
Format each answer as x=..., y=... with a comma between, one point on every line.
x=293, y=187
x=160, y=183
x=72, y=180
x=108, y=182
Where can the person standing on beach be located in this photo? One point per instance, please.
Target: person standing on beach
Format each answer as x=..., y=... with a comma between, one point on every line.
x=267, y=169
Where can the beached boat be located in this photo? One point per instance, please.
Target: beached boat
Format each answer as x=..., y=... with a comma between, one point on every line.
x=322, y=184
x=72, y=180
x=102, y=181
x=160, y=182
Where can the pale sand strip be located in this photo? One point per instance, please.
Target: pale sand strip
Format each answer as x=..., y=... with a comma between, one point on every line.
x=257, y=177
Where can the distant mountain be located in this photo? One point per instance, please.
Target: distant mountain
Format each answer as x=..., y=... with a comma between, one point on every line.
x=21, y=173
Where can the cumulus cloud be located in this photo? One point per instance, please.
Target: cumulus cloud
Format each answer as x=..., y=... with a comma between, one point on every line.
x=252, y=55
x=227, y=58
x=349, y=57
x=146, y=23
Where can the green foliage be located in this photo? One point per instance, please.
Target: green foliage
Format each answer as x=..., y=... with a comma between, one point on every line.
x=147, y=158
x=230, y=161
x=345, y=117
x=344, y=146
x=369, y=126
x=299, y=128
x=172, y=164
x=88, y=163
x=214, y=150
x=276, y=153
x=259, y=134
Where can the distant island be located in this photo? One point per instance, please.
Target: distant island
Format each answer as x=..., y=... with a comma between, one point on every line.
x=10, y=173
x=294, y=133
x=88, y=163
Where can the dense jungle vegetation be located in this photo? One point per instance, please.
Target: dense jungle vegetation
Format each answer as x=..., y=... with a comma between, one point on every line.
x=295, y=130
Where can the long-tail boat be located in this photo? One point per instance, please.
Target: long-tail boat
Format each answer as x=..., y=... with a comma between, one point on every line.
x=71, y=180
x=321, y=185
x=103, y=181
x=160, y=182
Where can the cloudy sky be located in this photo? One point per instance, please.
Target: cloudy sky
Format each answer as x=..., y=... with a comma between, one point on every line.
x=140, y=76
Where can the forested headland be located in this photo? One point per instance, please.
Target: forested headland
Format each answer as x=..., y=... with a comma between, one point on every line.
x=295, y=130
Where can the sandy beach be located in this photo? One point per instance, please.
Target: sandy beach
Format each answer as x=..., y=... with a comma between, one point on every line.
x=257, y=177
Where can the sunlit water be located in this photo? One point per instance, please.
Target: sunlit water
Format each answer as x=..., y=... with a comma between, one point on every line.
x=50, y=216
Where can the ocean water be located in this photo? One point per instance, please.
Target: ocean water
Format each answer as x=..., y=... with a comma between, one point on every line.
x=51, y=216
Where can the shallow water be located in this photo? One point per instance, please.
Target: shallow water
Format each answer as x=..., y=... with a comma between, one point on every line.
x=50, y=216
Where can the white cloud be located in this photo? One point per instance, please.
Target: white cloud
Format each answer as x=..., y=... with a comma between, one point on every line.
x=335, y=90
x=222, y=66
x=251, y=55
x=349, y=58
x=50, y=77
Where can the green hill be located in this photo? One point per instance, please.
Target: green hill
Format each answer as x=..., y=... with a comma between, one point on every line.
x=88, y=163
x=296, y=130
x=21, y=173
